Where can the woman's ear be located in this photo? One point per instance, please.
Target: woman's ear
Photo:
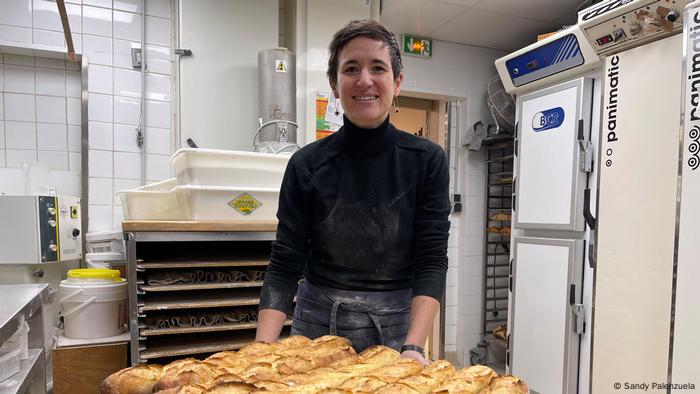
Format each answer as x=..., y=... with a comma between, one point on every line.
x=397, y=84
x=334, y=88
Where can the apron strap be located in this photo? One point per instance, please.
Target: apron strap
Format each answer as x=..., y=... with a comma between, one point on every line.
x=334, y=321
x=334, y=317
x=377, y=325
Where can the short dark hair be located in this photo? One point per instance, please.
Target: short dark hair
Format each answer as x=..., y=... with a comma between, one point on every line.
x=362, y=28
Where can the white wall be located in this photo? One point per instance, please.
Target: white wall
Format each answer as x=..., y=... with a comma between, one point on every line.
x=317, y=21
x=39, y=121
x=460, y=73
x=219, y=82
x=105, y=31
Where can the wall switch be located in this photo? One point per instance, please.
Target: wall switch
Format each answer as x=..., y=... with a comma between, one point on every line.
x=136, y=57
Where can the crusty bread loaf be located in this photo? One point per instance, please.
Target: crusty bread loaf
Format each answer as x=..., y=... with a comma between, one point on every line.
x=184, y=389
x=440, y=370
x=363, y=384
x=381, y=355
x=325, y=365
x=260, y=371
x=292, y=364
x=401, y=368
x=399, y=388
x=359, y=369
x=179, y=364
x=194, y=373
x=230, y=388
x=225, y=378
x=468, y=380
x=327, y=349
x=459, y=387
x=319, y=382
x=135, y=380
x=256, y=349
x=506, y=385
x=478, y=372
x=292, y=342
x=271, y=386
x=430, y=377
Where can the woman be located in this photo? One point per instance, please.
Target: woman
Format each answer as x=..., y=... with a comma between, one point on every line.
x=363, y=215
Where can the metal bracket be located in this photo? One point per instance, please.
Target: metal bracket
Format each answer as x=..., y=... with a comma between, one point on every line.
x=587, y=156
x=183, y=52
x=579, y=318
x=586, y=148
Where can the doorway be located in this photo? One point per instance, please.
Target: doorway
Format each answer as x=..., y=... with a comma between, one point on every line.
x=422, y=118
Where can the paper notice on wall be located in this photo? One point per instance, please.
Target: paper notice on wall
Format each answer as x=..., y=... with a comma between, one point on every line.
x=334, y=111
x=323, y=127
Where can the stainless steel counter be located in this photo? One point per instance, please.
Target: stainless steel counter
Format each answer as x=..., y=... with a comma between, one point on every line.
x=19, y=302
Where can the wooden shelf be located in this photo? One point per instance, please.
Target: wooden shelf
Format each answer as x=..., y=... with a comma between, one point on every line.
x=204, y=263
x=204, y=286
x=164, y=302
x=198, y=225
x=195, y=346
x=196, y=330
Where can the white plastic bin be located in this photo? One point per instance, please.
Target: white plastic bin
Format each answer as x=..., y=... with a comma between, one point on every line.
x=151, y=202
x=105, y=260
x=209, y=167
x=94, y=303
x=105, y=242
x=9, y=363
x=228, y=203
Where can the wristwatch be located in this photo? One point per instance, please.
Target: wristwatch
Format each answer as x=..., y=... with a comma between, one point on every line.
x=415, y=348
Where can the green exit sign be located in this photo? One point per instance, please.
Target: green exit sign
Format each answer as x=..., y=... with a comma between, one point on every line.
x=417, y=46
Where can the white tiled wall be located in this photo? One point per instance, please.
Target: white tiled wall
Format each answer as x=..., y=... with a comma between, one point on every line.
x=460, y=72
x=34, y=121
x=35, y=89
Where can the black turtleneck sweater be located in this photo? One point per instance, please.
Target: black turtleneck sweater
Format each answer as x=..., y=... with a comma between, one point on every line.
x=362, y=209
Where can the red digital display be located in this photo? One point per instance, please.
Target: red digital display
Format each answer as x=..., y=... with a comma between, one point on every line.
x=604, y=40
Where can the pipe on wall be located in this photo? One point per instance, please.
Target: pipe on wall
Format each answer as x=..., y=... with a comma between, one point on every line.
x=141, y=131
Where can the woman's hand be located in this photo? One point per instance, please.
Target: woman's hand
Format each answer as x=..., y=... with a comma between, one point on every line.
x=412, y=354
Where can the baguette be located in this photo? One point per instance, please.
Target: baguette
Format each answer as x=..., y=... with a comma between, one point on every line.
x=139, y=379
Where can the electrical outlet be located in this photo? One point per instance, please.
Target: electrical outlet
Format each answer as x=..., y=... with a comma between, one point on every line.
x=136, y=58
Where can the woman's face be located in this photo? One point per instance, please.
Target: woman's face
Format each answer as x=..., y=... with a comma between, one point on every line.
x=366, y=85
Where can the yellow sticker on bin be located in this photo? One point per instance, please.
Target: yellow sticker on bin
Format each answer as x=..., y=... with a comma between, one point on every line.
x=245, y=204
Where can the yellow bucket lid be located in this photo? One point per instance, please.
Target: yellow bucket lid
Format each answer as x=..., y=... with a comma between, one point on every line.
x=95, y=273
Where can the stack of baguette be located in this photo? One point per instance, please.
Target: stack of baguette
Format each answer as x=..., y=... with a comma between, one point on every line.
x=297, y=364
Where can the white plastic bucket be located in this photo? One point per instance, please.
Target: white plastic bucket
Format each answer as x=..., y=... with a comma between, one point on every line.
x=93, y=308
x=105, y=260
x=105, y=241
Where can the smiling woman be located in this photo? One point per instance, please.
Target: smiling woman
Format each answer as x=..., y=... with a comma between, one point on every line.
x=366, y=85
x=362, y=215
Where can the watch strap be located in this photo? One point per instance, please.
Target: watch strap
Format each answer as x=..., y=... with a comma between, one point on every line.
x=412, y=347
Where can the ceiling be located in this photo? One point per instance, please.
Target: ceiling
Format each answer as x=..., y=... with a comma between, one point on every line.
x=500, y=24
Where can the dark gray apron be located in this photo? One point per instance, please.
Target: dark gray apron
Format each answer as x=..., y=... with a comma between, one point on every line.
x=364, y=317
